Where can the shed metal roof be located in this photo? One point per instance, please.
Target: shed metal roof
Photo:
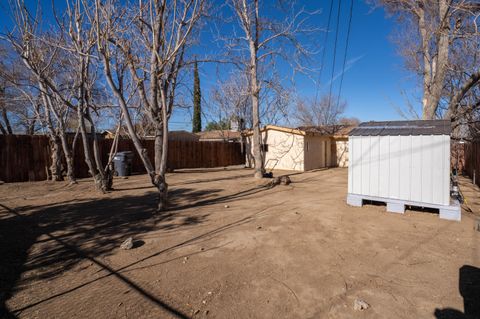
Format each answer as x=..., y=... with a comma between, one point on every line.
x=418, y=127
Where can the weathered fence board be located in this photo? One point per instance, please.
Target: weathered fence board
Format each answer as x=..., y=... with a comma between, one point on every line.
x=27, y=158
x=472, y=161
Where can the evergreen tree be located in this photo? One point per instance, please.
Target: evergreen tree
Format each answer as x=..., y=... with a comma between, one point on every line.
x=197, y=97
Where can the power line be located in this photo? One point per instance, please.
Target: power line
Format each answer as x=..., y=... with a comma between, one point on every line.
x=322, y=62
x=334, y=54
x=345, y=54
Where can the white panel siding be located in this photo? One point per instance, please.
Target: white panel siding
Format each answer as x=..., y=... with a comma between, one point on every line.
x=374, y=165
x=446, y=170
x=357, y=165
x=405, y=167
x=416, y=175
x=384, y=166
x=365, y=160
x=394, y=180
x=350, y=168
x=427, y=169
x=410, y=168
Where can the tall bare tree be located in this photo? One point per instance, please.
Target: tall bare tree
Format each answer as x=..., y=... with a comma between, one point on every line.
x=441, y=26
x=264, y=38
x=152, y=39
x=319, y=113
x=46, y=63
x=80, y=41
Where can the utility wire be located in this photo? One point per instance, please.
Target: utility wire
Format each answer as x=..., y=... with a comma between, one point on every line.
x=345, y=54
x=324, y=50
x=334, y=54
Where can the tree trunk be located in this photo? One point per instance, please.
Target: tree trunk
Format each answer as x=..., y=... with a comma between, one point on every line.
x=31, y=127
x=56, y=156
x=161, y=156
x=68, y=158
x=435, y=68
x=255, y=93
x=454, y=104
x=6, y=121
x=92, y=168
x=106, y=179
x=2, y=129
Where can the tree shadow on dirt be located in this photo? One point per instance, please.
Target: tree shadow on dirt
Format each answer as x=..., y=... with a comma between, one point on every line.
x=469, y=287
x=51, y=239
x=218, y=179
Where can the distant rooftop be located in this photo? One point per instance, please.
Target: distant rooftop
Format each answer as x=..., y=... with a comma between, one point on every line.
x=331, y=130
x=225, y=135
x=418, y=127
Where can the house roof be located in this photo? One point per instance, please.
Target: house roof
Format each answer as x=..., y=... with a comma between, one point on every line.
x=182, y=135
x=418, y=127
x=329, y=130
x=219, y=135
x=335, y=131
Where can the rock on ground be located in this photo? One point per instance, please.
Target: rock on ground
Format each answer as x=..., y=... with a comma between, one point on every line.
x=127, y=244
x=360, y=304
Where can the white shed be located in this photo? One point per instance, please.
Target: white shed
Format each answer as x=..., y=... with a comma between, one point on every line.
x=402, y=163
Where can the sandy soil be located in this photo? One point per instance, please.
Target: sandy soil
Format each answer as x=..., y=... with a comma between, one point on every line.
x=230, y=248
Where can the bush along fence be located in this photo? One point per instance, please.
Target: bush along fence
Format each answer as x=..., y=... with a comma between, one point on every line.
x=472, y=161
x=27, y=157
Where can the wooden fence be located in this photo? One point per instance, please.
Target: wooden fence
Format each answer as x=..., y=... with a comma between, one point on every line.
x=472, y=161
x=27, y=158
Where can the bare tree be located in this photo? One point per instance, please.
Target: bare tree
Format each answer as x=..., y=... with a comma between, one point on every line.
x=152, y=39
x=230, y=100
x=320, y=113
x=442, y=27
x=46, y=64
x=79, y=32
x=263, y=39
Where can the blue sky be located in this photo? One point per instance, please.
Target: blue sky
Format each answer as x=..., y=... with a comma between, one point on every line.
x=375, y=76
x=375, y=84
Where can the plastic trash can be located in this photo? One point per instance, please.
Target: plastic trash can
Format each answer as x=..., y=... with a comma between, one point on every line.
x=122, y=163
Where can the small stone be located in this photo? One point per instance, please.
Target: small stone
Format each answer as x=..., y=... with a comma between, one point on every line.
x=209, y=293
x=127, y=244
x=226, y=206
x=360, y=304
x=185, y=260
x=202, y=249
x=285, y=180
x=196, y=311
x=206, y=312
x=204, y=302
x=259, y=227
x=121, y=303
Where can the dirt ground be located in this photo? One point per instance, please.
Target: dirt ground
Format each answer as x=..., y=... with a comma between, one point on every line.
x=231, y=248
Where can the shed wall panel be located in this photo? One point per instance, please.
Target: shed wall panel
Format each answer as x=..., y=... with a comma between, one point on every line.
x=416, y=166
x=365, y=163
x=427, y=169
x=384, y=167
x=350, y=167
x=394, y=160
x=374, y=165
x=410, y=168
x=357, y=166
x=405, y=167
